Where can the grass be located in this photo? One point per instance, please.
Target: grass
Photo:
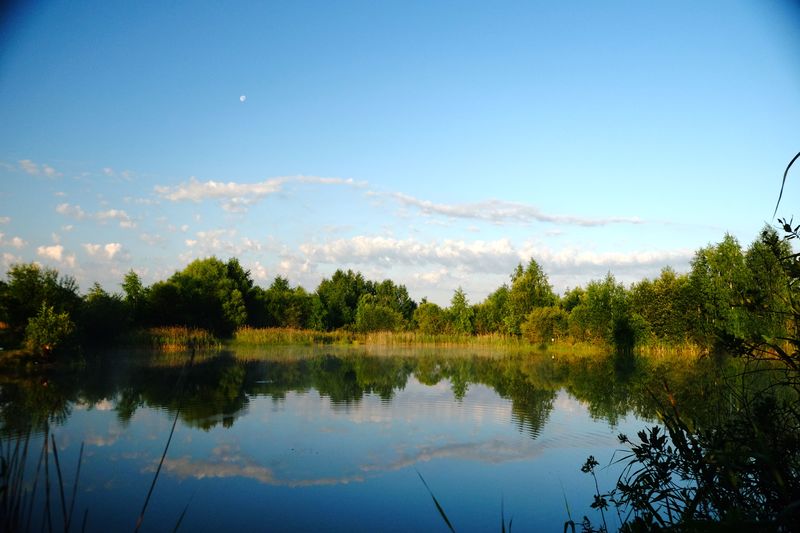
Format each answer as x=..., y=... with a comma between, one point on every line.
x=18, y=494
x=174, y=339
x=290, y=336
x=248, y=336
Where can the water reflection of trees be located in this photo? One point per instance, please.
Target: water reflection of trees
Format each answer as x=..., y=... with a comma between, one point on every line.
x=218, y=387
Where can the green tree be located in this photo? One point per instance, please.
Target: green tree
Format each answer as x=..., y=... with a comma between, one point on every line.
x=208, y=293
x=490, y=314
x=48, y=330
x=461, y=314
x=373, y=315
x=395, y=297
x=431, y=319
x=529, y=288
x=30, y=286
x=135, y=297
x=665, y=304
x=104, y=317
x=768, y=289
x=545, y=324
x=718, y=279
x=604, y=316
x=339, y=296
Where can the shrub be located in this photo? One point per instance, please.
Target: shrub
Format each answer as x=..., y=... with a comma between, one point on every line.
x=48, y=330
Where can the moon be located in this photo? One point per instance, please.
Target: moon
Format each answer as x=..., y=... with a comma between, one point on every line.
x=242, y=98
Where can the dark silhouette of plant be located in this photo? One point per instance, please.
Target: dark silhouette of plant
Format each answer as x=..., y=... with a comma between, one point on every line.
x=743, y=470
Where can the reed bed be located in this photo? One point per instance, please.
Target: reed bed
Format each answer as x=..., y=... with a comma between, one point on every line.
x=248, y=336
x=414, y=338
x=291, y=336
x=175, y=339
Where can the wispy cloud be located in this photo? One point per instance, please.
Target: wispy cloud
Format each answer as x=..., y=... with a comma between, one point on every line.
x=152, y=239
x=500, y=211
x=237, y=197
x=119, y=215
x=76, y=212
x=16, y=242
x=35, y=169
x=10, y=259
x=69, y=210
x=227, y=462
x=5, y=220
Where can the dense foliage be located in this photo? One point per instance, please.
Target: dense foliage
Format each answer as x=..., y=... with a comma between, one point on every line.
x=728, y=293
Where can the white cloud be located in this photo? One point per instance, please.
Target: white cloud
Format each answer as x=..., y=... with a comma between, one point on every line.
x=16, y=242
x=5, y=220
x=69, y=210
x=151, y=239
x=481, y=256
x=10, y=259
x=34, y=169
x=49, y=171
x=53, y=252
x=237, y=197
x=484, y=255
x=92, y=249
x=76, y=212
x=119, y=215
x=56, y=253
x=108, y=171
x=29, y=167
x=500, y=211
x=259, y=271
x=109, y=250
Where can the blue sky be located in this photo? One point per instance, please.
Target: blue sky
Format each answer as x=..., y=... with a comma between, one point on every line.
x=435, y=143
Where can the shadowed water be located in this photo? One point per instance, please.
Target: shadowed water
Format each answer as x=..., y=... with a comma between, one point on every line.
x=332, y=439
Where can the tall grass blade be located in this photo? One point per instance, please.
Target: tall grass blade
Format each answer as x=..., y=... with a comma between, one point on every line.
x=783, y=183
x=566, y=503
x=436, y=502
x=181, y=379
x=60, y=479
x=183, y=513
x=48, y=516
x=74, y=488
x=85, y=519
x=33, y=491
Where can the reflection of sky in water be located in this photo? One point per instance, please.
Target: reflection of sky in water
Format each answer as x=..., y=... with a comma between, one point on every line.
x=304, y=463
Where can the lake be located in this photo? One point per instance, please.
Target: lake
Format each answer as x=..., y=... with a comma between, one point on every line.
x=337, y=439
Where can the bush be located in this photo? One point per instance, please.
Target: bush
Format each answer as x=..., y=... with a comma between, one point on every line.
x=544, y=324
x=48, y=330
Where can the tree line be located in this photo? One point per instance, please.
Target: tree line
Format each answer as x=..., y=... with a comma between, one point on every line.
x=729, y=292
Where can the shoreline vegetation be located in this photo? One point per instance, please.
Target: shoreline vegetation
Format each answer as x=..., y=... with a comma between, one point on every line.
x=729, y=294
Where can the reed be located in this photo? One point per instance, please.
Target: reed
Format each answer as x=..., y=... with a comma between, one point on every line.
x=174, y=339
x=291, y=336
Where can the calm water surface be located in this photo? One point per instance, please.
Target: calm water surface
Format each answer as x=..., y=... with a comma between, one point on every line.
x=326, y=439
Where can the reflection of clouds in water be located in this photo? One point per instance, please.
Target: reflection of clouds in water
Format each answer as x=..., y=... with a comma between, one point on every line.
x=102, y=405
x=494, y=451
x=567, y=404
x=415, y=403
x=227, y=462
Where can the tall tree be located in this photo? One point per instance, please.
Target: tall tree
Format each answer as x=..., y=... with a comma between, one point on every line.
x=529, y=288
x=461, y=314
x=28, y=288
